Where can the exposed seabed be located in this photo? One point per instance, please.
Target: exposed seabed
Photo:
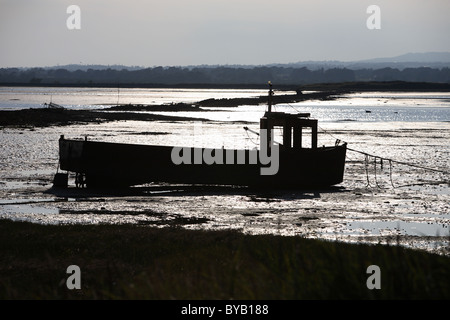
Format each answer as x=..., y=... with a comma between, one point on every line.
x=377, y=203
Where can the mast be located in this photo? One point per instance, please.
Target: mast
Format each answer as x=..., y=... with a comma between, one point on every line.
x=265, y=122
x=270, y=97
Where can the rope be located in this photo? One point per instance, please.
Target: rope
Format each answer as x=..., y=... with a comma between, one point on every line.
x=296, y=110
x=248, y=136
x=375, y=169
x=390, y=173
x=401, y=162
x=366, y=165
x=387, y=159
x=254, y=132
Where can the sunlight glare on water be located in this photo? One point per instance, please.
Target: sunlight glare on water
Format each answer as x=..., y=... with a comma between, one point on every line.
x=410, y=127
x=88, y=98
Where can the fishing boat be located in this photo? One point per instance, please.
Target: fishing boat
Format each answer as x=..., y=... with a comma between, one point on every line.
x=289, y=164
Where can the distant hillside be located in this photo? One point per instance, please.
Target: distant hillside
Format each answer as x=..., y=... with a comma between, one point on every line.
x=410, y=60
x=82, y=67
x=426, y=57
x=437, y=60
x=412, y=67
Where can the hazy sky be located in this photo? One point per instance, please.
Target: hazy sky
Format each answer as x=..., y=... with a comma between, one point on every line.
x=184, y=32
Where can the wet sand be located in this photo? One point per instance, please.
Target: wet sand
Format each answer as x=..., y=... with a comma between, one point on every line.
x=396, y=204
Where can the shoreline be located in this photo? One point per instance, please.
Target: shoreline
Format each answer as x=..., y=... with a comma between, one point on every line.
x=353, y=86
x=45, y=117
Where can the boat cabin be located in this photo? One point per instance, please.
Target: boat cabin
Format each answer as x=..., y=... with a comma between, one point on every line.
x=291, y=124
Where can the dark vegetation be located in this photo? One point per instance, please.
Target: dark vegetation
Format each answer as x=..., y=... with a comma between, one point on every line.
x=142, y=262
x=216, y=76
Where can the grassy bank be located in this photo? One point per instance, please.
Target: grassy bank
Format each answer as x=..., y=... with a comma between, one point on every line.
x=140, y=262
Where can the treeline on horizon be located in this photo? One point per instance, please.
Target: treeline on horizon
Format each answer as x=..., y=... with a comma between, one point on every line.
x=218, y=75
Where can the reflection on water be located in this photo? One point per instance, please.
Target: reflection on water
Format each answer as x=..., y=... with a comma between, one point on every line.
x=369, y=106
x=328, y=113
x=19, y=209
x=430, y=228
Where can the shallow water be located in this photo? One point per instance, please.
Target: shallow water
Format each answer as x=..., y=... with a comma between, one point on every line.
x=398, y=205
x=14, y=98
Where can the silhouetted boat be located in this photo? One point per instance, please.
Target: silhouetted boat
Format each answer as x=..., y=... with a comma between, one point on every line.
x=286, y=165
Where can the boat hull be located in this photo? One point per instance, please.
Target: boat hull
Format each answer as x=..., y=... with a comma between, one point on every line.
x=105, y=164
